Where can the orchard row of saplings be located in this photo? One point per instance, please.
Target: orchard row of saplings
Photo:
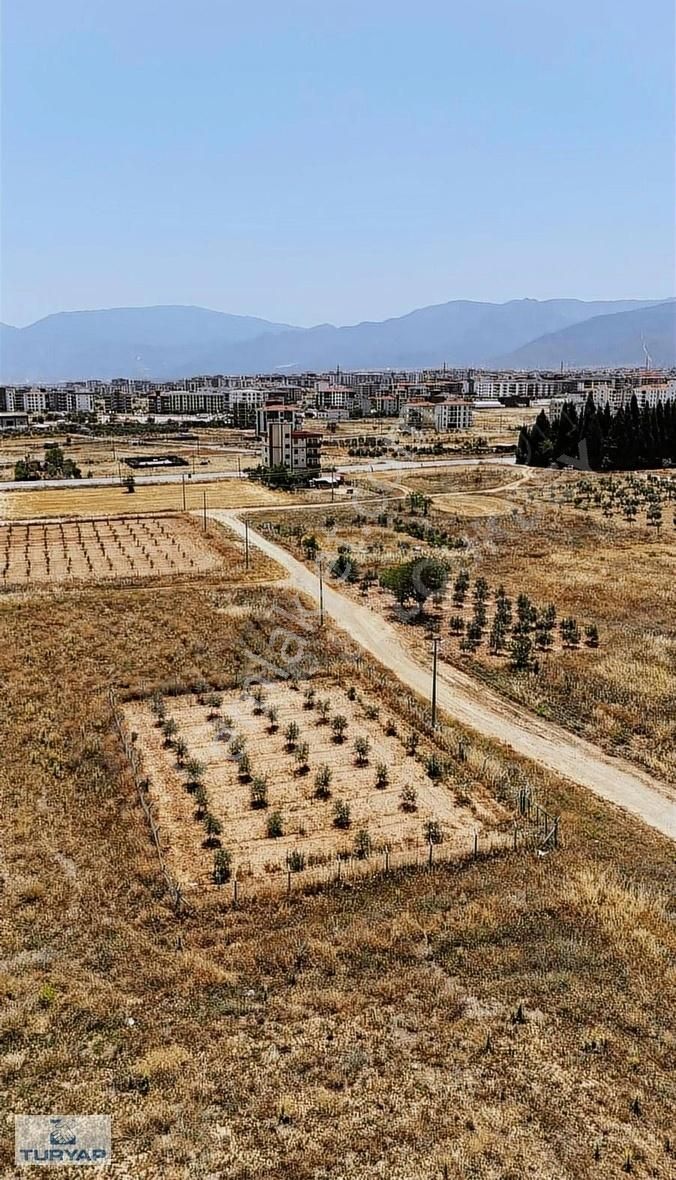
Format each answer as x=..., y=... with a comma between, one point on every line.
x=294, y=745
x=520, y=629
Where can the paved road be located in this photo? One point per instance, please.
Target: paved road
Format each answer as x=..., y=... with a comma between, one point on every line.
x=476, y=706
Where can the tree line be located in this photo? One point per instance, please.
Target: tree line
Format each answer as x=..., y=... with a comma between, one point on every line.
x=601, y=440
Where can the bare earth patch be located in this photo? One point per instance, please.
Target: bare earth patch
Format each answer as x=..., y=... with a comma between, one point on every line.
x=308, y=822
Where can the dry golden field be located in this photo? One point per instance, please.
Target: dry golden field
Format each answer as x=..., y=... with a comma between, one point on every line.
x=43, y=555
x=503, y=1018
x=119, y=547
x=114, y=500
x=209, y=451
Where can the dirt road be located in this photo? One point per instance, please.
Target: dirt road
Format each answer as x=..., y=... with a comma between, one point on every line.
x=476, y=706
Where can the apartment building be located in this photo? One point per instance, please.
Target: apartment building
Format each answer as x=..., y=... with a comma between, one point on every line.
x=186, y=401
x=439, y=416
x=275, y=412
x=297, y=450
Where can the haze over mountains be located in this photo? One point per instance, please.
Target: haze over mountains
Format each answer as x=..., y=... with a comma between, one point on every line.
x=175, y=341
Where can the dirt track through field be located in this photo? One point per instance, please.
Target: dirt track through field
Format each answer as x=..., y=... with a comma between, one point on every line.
x=479, y=708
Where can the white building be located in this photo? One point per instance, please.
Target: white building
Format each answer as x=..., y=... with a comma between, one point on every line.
x=439, y=416
x=297, y=450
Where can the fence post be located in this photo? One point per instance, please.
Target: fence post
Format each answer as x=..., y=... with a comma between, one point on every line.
x=431, y=854
x=515, y=835
x=476, y=843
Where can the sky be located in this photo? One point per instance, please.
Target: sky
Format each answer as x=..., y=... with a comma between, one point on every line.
x=316, y=161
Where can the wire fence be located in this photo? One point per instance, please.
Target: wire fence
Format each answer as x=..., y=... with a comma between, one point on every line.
x=134, y=761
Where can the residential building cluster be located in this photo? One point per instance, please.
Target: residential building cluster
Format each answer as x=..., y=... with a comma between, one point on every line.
x=430, y=400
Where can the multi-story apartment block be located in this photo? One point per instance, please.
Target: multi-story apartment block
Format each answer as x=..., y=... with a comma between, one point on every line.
x=277, y=412
x=297, y=450
x=184, y=401
x=439, y=416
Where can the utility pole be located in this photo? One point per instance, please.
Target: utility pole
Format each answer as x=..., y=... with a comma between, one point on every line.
x=435, y=649
x=205, y=512
x=239, y=467
x=321, y=594
x=246, y=543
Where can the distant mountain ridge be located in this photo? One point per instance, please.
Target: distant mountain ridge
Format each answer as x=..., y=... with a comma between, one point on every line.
x=175, y=341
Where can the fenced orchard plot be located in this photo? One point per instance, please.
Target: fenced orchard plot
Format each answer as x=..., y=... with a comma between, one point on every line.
x=124, y=547
x=308, y=822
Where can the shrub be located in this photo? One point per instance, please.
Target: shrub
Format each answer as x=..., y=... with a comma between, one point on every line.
x=169, y=729
x=338, y=726
x=309, y=698
x=408, y=798
x=291, y=735
x=341, y=814
x=323, y=779
x=222, y=866
x=244, y=768
x=363, y=845
x=391, y=727
x=259, y=793
x=324, y=708
x=361, y=747
x=411, y=743
x=352, y=693
x=258, y=696
x=274, y=826
x=382, y=776
x=158, y=706
x=435, y=767
x=433, y=832
x=237, y=745
x=272, y=715
x=213, y=829
x=181, y=748
x=194, y=772
x=296, y=861
x=302, y=757
x=371, y=712
x=202, y=800
x=592, y=635
x=214, y=700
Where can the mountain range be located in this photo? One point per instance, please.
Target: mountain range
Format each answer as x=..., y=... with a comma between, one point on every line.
x=175, y=341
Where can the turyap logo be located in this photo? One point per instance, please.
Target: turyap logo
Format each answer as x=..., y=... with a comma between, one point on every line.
x=62, y=1134
x=61, y=1139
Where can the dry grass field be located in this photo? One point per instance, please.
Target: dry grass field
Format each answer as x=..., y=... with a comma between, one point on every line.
x=44, y=555
x=307, y=826
x=209, y=451
x=126, y=547
x=507, y=1017
x=116, y=501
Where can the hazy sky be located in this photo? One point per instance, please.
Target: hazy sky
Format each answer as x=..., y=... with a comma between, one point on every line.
x=314, y=160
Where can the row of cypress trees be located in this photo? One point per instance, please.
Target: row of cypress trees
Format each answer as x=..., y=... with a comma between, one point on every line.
x=600, y=439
